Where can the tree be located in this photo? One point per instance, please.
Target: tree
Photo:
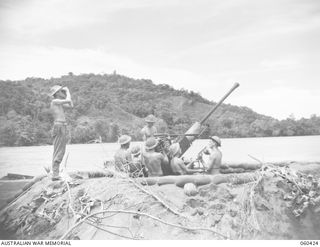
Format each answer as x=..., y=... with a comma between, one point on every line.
x=8, y=133
x=114, y=132
x=83, y=134
x=25, y=118
x=101, y=127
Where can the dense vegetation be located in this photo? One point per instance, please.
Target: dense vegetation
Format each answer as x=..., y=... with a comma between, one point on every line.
x=110, y=105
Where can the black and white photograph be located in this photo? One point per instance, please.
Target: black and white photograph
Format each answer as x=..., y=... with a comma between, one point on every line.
x=159, y=120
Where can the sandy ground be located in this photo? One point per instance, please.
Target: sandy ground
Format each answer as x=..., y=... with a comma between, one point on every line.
x=256, y=210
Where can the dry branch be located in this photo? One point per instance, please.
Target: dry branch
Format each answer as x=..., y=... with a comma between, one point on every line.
x=70, y=199
x=256, y=159
x=113, y=233
x=157, y=198
x=141, y=214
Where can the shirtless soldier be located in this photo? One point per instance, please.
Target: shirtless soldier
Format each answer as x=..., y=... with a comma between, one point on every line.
x=153, y=161
x=149, y=130
x=177, y=165
x=215, y=156
x=61, y=99
x=122, y=157
x=137, y=169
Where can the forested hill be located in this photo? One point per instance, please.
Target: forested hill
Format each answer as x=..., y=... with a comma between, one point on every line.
x=110, y=105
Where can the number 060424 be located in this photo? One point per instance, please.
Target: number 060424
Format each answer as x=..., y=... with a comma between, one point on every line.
x=308, y=243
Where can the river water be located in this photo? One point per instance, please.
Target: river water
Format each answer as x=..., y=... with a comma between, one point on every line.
x=31, y=160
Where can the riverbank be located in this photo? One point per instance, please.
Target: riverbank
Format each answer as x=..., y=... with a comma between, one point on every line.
x=229, y=207
x=9, y=188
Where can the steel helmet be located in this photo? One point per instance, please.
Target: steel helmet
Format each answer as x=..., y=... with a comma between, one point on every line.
x=150, y=119
x=151, y=143
x=174, y=149
x=136, y=150
x=124, y=139
x=216, y=140
x=55, y=89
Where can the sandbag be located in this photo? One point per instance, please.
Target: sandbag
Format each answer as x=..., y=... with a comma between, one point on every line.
x=224, y=166
x=219, y=179
x=147, y=180
x=190, y=189
x=244, y=166
x=199, y=180
x=167, y=180
x=234, y=178
x=90, y=174
x=242, y=178
x=232, y=170
x=195, y=179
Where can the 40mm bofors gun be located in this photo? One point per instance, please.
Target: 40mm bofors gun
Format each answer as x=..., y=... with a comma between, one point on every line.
x=185, y=140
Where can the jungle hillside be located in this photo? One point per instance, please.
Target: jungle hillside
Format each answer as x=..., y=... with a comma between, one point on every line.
x=106, y=106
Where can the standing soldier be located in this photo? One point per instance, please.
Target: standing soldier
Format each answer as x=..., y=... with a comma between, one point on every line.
x=61, y=99
x=149, y=130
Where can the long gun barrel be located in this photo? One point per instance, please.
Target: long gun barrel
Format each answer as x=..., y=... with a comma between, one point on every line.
x=195, y=129
x=219, y=103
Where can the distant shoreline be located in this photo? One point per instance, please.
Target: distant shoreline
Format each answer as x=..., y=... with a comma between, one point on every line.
x=135, y=141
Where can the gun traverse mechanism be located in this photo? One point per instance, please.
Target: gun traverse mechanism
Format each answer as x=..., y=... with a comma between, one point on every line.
x=195, y=130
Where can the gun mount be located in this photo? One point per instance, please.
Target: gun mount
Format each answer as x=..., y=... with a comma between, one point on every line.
x=194, y=131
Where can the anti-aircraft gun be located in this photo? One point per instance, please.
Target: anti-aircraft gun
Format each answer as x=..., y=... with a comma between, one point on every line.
x=193, y=132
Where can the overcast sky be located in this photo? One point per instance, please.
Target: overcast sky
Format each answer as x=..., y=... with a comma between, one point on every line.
x=271, y=47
